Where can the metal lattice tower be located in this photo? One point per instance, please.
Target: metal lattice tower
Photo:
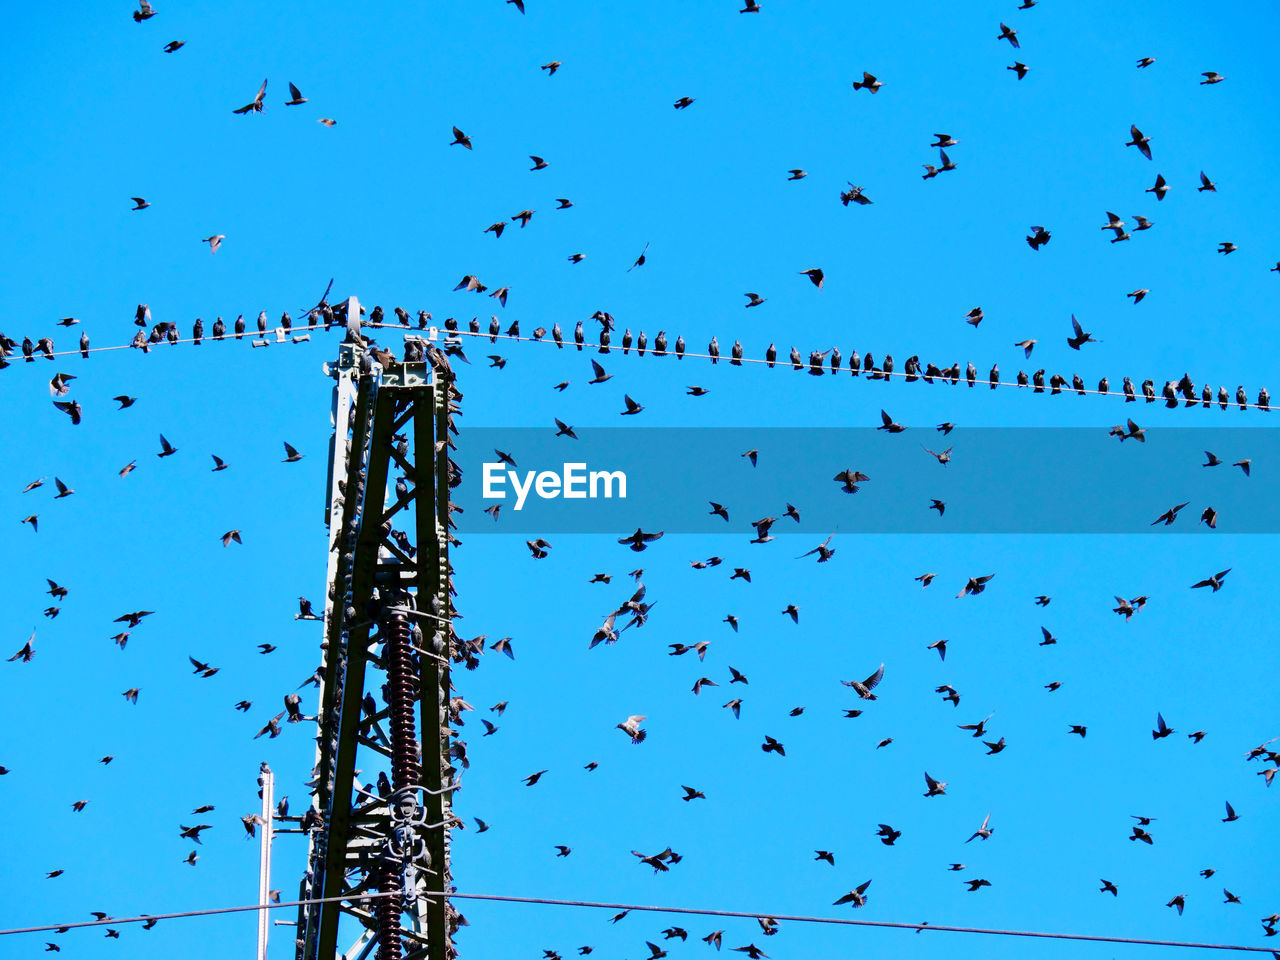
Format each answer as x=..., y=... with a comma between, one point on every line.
x=388, y=610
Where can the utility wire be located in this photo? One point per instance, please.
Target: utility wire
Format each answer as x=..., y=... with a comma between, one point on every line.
x=627, y=907
x=260, y=339
x=805, y=365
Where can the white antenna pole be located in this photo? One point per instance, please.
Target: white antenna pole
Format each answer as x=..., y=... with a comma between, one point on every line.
x=267, y=781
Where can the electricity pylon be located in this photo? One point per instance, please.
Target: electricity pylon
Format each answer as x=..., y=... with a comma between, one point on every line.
x=388, y=640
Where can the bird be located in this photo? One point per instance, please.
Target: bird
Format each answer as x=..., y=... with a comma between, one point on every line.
x=1227, y=247
x=1231, y=814
x=1143, y=143
x=328, y=122
x=815, y=275
x=640, y=540
x=1179, y=901
x=1020, y=69
x=1214, y=582
x=231, y=535
x=691, y=794
x=976, y=885
x=1169, y=516
x=938, y=505
x=854, y=195
x=1211, y=76
x=295, y=97
x=631, y=727
x=868, y=82
x=1027, y=346
x=1080, y=337
x=754, y=299
x=771, y=745
x=632, y=406
x=1162, y=729
x=290, y=454
x=71, y=408
x=887, y=423
x=214, y=241
x=863, y=688
x=936, y=788
x=857, y=896
x=1206, y=184
x=797, y=174
x=683, y=102
x=888, y=836
x=139, y=203
x=1039, y=237
x=1108, y=887
x=551, y=67
x=1160, y=189
x=983, y=831
x=1138, y=294
x=538, y=163
x=974, y=317
x=1010, y=35
x=975, y=585
x=460, y=139
x=255, y=105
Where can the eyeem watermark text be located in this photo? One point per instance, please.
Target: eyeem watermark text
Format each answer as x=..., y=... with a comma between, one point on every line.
x=573, y=482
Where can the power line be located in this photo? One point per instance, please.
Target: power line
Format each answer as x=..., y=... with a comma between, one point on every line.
x=804, y=365
x=283, y=335
x=648, y=908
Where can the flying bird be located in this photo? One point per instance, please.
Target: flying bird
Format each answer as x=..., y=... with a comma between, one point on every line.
x=254, y=105
x=1138, y=140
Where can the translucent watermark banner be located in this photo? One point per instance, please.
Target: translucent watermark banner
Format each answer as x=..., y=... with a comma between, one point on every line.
x=913, y=480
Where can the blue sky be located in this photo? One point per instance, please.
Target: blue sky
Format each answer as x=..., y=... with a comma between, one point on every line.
x=95, y=114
